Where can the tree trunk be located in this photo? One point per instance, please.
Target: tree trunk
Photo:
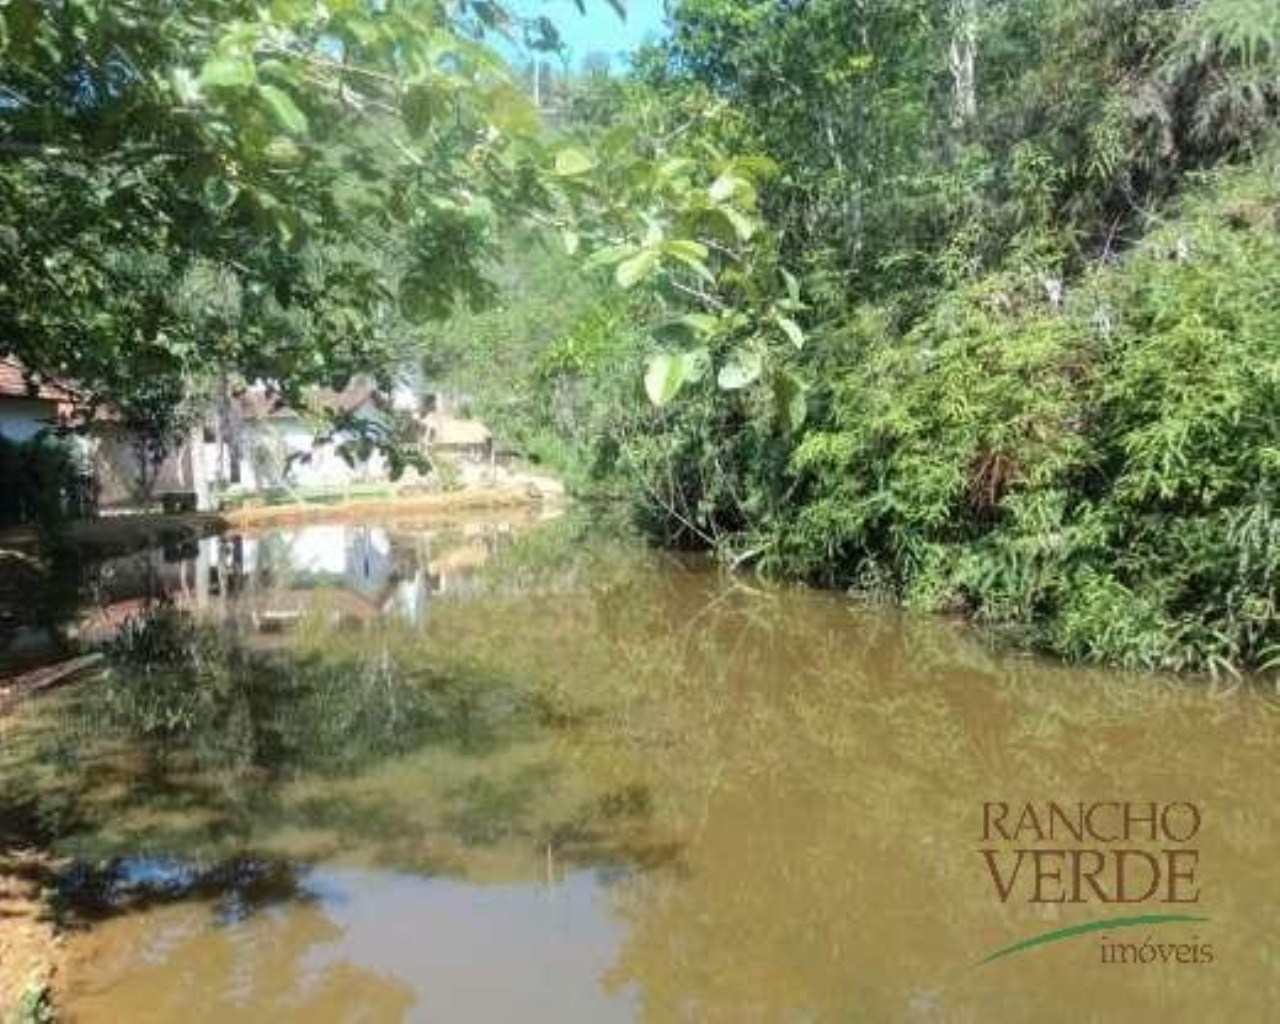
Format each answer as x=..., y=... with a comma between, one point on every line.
x=962, y=57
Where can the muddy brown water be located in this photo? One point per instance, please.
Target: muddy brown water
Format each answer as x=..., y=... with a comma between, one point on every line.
x=347, y=773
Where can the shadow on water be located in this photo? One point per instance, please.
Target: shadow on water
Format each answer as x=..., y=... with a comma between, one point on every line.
x=269, y=703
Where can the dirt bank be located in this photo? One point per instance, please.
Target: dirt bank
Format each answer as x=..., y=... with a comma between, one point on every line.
x=425, y=507
x=118, y=534
x=31, y=951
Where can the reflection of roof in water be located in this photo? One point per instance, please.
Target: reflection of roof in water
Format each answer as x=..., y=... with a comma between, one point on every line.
x=276, y=612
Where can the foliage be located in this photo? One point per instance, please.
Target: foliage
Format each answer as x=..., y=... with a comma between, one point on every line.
x=275, y=192
x=951, y=300
x=41, y=480
x=1038, y=360
x=1102, y=476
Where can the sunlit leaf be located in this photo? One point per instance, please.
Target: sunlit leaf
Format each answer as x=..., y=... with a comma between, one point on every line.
x=283, y=152
x=743, y=226
x=697, y=362
x=742, y=369
x=634, y=270
x=691, y=254
x=793, y=286
x=664, y=377
x=791, y=329
x=702, y=323
x=609, y=255
x=285, y=111
x=723, y=188
x=572, y=162
x=226, y=70
x=185, y=86
x=687, y=248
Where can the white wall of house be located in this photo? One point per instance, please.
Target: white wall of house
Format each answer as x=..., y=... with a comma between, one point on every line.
x=115, y=462
x=284, y=451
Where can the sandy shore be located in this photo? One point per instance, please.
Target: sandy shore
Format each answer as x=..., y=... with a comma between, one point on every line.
x=113, y=534
x=30, y=949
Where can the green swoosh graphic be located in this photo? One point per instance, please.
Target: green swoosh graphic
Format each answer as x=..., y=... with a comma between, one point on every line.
x=1058, y=934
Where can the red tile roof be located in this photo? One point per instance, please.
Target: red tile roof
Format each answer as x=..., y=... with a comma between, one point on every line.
x=17, y=382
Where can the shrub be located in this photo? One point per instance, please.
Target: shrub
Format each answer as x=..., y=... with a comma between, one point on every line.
x=42, y=480
x=1101, y=477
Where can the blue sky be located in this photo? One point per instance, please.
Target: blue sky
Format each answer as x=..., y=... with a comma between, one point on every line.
x=600, y=29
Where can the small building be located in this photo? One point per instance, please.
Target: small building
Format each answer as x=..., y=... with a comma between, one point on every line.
x=30, y=404
x=457, y=437
x=253, y=442
x=275, y=445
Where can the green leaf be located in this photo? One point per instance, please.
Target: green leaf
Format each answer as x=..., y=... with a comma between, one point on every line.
x=697, y=361
x=572, y=162
x=185, y=87
x=609, y=255
x=723, y=188
x=789, y=398
x=743, y=368
x=421, y=103
x=219, y=194
x=283, y=152
x=793, y=286
x=285, y=111
x=743, y=226
x=510, y=110
x=631, y=272
x=703, y=324
x=229, y=71
x=791, y=329
x=664, y=377
x=687, y=249
x=691, y=254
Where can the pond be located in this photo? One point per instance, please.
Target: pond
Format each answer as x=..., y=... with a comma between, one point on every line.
x=502, y=773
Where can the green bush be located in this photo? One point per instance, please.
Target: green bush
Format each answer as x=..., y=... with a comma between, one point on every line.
x=42, y=480
x=1101, y=477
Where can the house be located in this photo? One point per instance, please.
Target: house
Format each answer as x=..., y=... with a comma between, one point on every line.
x=254, y=442
x=457, y=437
x=272, y=444
x=456, y=442
x=30, y=404
x=118, y=470
x=45, y=469
x=248, y=443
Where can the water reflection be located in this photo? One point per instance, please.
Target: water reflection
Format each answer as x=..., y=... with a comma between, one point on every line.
x=369, y=946
x=757, y=804
x=266, y=582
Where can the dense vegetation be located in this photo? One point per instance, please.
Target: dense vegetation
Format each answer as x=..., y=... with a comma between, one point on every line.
x=1036, y=353
x=964, y=303
x=41, y=480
